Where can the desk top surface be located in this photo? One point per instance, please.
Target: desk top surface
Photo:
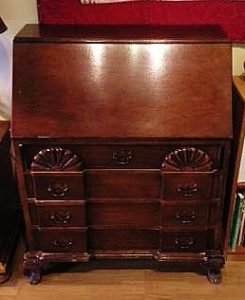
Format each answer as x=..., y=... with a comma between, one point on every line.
x=122, y=33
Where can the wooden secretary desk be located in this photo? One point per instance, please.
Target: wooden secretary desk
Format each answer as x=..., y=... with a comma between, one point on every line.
x=122, y=136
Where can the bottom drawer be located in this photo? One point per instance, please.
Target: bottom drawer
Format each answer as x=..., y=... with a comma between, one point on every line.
x=184, y=241
x=123, y=239
x=61, y=240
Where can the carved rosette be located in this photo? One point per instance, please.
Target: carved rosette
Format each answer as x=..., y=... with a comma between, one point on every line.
x=55, y=159
x=187, y=159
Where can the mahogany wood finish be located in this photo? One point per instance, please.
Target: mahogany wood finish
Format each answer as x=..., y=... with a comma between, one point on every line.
x=90, y=64
x=122, y=142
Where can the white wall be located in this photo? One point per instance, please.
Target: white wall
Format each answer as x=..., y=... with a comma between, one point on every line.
x=16, y=13
x=238, y=59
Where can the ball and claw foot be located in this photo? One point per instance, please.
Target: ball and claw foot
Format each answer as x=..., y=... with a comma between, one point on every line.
x=212, y=265
x=35, y=277
x=214, y=276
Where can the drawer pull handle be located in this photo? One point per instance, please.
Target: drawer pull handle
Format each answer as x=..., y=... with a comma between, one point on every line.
x=185, y=217
x=63, y=244
x=58, y=189
x=188, y=190
x=184, y=243
x=60, y=217
x=122, y=157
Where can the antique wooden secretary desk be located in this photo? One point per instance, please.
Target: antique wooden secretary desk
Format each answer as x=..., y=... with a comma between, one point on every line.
x=122, y=137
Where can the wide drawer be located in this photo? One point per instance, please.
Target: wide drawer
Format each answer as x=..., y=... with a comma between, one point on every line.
x=131, y=156
x=61, y=240
x=126, y=212
x=58, y=214
x=121, y=238
x=184, y=215
x=123, y=156
x=189, y=185
x=58, y=185
x=191, y=241
x=123, y=183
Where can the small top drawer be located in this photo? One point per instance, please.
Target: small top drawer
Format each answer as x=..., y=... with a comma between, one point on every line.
x=58, y=185
x=128, y=156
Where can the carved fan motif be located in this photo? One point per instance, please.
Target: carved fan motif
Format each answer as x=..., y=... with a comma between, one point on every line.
x=187, y=159
x=55, y=158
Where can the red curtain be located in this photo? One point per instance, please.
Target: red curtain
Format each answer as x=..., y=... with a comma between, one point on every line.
x=230, y=15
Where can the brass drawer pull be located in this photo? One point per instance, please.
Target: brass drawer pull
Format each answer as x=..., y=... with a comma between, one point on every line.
x=63, y=243
x=188, y=190
x=58, y=189
x=183, y=244
x=60, y=217
x=185, y=217
x=122, y=157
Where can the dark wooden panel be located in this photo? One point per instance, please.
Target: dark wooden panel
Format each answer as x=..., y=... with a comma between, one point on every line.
x=215, y=213
x=123, y=184
x=119, y=238
x=32, y=210
x=58, y=185
x=127, y=212
x=29, y=185
x=60, y=240
x=189, y=186
x=128, y=86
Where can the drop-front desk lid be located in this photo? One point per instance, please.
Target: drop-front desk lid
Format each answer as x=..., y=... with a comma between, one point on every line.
x=121, y=82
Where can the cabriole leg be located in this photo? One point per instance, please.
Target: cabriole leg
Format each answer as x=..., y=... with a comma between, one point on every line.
x=33, y=263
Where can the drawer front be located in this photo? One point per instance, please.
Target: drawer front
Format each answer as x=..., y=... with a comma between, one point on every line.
x=184, y=241
x=138, y=213
x=122, y=156
x=58, y=215
x=119, y=238
x=123, y=184
x=138, y=156
x=57, y=240
x=184, y=215
x=58, y=186
x=187, y=186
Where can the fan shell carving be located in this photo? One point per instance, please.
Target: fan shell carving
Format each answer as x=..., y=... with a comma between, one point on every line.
x=187, y=159
x=55, y=158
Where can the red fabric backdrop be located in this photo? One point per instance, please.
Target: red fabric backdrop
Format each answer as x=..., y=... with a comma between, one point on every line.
x=230, y=15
